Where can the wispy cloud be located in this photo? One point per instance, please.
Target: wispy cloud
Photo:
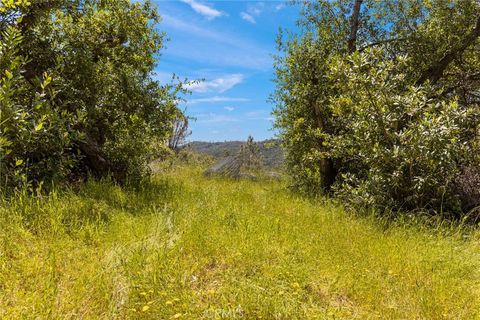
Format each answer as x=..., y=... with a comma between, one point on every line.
x=280, y=6
x=229, y=108
x=230, y=49
x=216, y=99
x=259, y=114
x=247, y=17
x=252, y=12
x=256, y=9
x=255, y=113
x=206, y=11
x=220, y=85
x=200, y=31
x=214, y=118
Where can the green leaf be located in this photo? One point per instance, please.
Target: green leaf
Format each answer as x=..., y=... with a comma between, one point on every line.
x=18, y=162
x=8, y=74
x=47, y=79
x=39, y=126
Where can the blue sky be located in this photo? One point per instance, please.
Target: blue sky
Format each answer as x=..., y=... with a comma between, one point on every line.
x=229, y=44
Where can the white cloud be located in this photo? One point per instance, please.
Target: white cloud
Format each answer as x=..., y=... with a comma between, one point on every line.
x=216, y=47
x=200, y=31
x=220, y=85
x=209, y=12
x=214, y=118
x=247, y=17
x=229, y=108
x=255, y=113
x=216, y=99
x=259, y=115
x=252, y=12
x=257, y=9
x=280, y=6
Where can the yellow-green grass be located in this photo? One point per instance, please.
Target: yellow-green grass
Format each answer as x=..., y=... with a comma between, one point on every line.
x=190, y=247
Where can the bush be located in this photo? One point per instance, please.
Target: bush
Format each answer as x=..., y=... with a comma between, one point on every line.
x=377, y=102
x=397, y=148
x=77, y=96
x=467, y=186
x=35, y=136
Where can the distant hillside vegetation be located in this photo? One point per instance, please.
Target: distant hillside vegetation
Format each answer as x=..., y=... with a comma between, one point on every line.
x=269, y=149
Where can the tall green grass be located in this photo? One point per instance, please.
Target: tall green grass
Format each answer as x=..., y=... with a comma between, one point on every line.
x=187, y=247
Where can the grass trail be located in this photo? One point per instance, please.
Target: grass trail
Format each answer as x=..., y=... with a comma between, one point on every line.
x=187, y=247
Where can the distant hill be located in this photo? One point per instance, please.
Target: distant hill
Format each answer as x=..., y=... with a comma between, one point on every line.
x=269, y=149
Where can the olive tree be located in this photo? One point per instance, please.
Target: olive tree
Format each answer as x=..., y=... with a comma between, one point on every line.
x=367, y=87
x=87, y=64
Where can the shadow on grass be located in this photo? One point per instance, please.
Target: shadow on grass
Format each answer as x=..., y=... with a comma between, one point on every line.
x=387, y=219
x=151, y=192
x=94, y=203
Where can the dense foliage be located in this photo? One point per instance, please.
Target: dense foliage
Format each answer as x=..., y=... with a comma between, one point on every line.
x=77, y=95
x=379, y=102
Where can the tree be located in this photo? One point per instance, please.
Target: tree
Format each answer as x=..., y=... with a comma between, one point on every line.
x=249, y=156
x=180, y=131
x=336, y=74
x=399, y=148
x=245, y=163
x=97, y=57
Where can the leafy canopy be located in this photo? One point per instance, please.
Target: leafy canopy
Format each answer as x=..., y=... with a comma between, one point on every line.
x=378, y=101
x=78, y=95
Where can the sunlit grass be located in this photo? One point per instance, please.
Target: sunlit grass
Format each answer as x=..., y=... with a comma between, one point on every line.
x=189, y=247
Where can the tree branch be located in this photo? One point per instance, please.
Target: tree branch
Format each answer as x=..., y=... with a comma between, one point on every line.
x=381, y=42
x=435, y=72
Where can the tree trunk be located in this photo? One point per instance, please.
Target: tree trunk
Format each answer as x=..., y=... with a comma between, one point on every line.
x=328, y=172
x=97, y=163
x=354, y=22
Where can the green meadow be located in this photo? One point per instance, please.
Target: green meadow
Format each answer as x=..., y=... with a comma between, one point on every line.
x=188, y=247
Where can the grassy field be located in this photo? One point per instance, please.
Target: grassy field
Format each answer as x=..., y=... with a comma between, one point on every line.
x=187, y=247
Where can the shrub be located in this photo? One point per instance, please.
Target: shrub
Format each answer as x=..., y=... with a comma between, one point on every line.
x=377, y=101
x=35, y=136
x=397, y=148
x=78, y=97
x=467, y=186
